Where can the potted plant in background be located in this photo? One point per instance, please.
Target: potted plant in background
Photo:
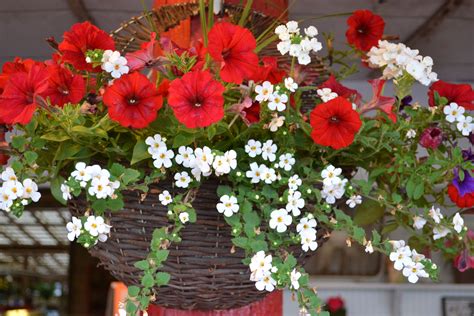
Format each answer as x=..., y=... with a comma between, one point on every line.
x=206, y=183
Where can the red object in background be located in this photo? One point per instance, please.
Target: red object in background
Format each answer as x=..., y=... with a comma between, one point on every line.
x=272, y=305
x=3, y=157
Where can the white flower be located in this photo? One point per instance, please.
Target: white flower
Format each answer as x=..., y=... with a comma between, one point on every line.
x=266, y=283
x=282, y=32
x=435, y=214
x=286, y=161
x=14, y=189
x=416, y=257
x=304, y=59
x=333, y=192
x=458, y=222
x=165, y=197
x=295, y=203
x=414, y=271
x=268, y=150
x=268, y=175
x=6, y=200
x=95, y=225
x=66, y=191
x=368, y=247
x=95, y=171
x=253, y=148
x=294, y=182
x=331, y=175
x=163, y=159
x=182, y=179
x=401, y=257
x=220, y=165
x=354, y=200
x=116, y=65
x=453, y=112
x=290, y=84
x=100, y=187
x=311, y=31
x=280, y=220
x=296, y=50
x=440, y=232
x=292, y=27
x=308, y=243
x=411, y=133
x=277, y=102
x=284, y=47
x=73, y=228
x=264, y=91
x=106, y=56
x=276, y=123
x=419, y=222
x=465, y=125
x=326, y=94
x=184, y=217
x=307, y=227
x=231, y=158
x=81, y=174
x=294, y=277
x=316, y=45
x=9, y=175
x=155, y=144
x=397, y=244
x=255, y=172
x=203, y=159
x=260, y=264
x=185, y=156
x=228, y=205
x=30, y=190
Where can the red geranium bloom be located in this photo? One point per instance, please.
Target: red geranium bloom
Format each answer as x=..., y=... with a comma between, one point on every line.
x=63, y=86
x=22, y=92
x=269, y=71
x=334, y=123
x=341, y=90
x=467, y=200
x=233, y=47
x=197, y=99
x=81, y=38
x=462, y=94
x=365, y=29
x=133, y=100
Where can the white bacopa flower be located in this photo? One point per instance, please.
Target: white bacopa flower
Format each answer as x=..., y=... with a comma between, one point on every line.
x=413, y=271
x=95, y=225
x=266, y=283
x=332, y=192
x=204, y=159
x=184, y=217
x=163, y=159
x=331, y=175
x=307, y=227
x=294, y=182
x=354, y=200
x=311, y=31
x=416, y=257
x=293, y=27
x=165, y=197
x=282, y=32
x=220, y=165
x=411, y=133
x=95, y=171
x=115, y=64
x=100, y=187
x=419, y=222
x=277, y=102
x=66, y=192
x=276, y=123
x=9, y=175
x=6, y=200
x=155, y=144
x=401, y=257
x=326, y=94
x=368, y=247
x=286, y=161
x=458, y=223
x=260, y=264
x=290, y=84
x=228, y=205
x=268, y=175
x=73, y=228
x=435, y=214
x=30, y=190
x=465, y=125
x=268, y=150
x=284, y=47
x=185, y=156
x=440, y=231
x=280, y=220
x=294, y=278
x=14, y=189
x=81, y=174
x=106, y=56
x=295, y=203
x=304, y=59
x=231, y=158
x=453, y=112
x=255, y=172
x=253, y=148
x=182, y=179
x=397, y=244
x=308, y=243
x=264, y=91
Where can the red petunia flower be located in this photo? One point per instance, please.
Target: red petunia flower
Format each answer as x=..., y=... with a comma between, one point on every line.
x=197, y=99
x=341, y=90
x=467, y=200
x=133, y=100
x=462, y=94
x=21, y=95
x=334, y=123
x=81, y=38
x=269, y=71
x=233, y=47
x=365, y=29
x=11, y=67
x=63, y=86
x=378, y=101
x=248, y=110
x=335, y=304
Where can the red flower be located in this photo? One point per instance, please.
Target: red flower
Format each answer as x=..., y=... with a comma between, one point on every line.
x=81, y=38
x=148, y=55
x=64, y=87
x=233, y=47
x=462, y=94
x=467, y=200
x=335, y=304
x=380, y=102
x=342, y=91
x=365, y=29
x=248, y=110
x=133, y=100
x=334, y=123
x=197, y=99
x=22, y=92
x=269, y=71
x=11, y=67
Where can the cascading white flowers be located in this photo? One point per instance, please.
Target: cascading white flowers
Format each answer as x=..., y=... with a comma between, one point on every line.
x=14, y=193
x=296, y=44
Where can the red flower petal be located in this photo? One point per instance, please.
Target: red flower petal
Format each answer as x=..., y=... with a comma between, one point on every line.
x=365, y=29
x=64, y=87
x=269, y=71
x=341, y=90
x=462, y=201
x=462, y=94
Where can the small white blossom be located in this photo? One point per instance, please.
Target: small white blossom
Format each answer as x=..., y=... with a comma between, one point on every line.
x=268, y=175
x=453, y=112
x=277, y=102
x=465, y=125
x=163, y=159
x=311, y=31
x=253, y=148
x=286, y=161
x=30, y=190
x=255, y=172
x=401, y=257
x=368, y=247
x=411, y=133
x=155, y=144
x=354, y=200
x=413, y=271
x=290, y=84
x=266, y=283
x=294, y=278
x=458, y=223
x=182, y=179
x=294, y=182
x=293, y=27
x=276, y=123
x=185, y=156
x=304, y=59
x=307, y=227
x=100, y=187
x=165, y=197
x=228, y=205
x=435, y=214
x=308, y=243
x=440, y=231
x=73, y=228
x=419, y=222
x=280, y=220
x=260, y=264
x=95, y=225
x=9, y=175
x=331, y=175
x=416, y=257
x=66, y=192
x=295, y=203
x=268, y=150
x=204, y=158
x=115, y=64
x=264, y=91
x=326, y=94
x=184, y=217
x=221, y=165
x=13, y=188
x=81, y=174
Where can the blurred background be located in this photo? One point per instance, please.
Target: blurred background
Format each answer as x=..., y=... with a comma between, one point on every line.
x=41, y=271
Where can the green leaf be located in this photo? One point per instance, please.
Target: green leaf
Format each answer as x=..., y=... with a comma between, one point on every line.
x=55, y=186
x=368, y=213
x=258, y=245
x=269, y=192
x=99, y=205
x=59, y=136
x=240, y=242
x=115, y=204
x=388, y=228
x=192, y=215
x=162, y=278
x=161, y=255
x=183, y=139
x=131, y=308
x=142, y=265
x=133, y=291
x=117, y=170
x=30, y=157
x=396, y=197
x=140, y=152
x=18, y=142
x=88, y=132
x=418, y=191
x=359, y=234
x=147, y=280
x=224, y=190
x=67, y=150
x=410, y=187
x=130, y=175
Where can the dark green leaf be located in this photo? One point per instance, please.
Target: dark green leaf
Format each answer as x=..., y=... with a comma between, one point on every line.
x=147, y=280
x=142, y=265
x=162, y=278
x=56, y=189
x=140, y=152
x=368, y=213
x=133, y=291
